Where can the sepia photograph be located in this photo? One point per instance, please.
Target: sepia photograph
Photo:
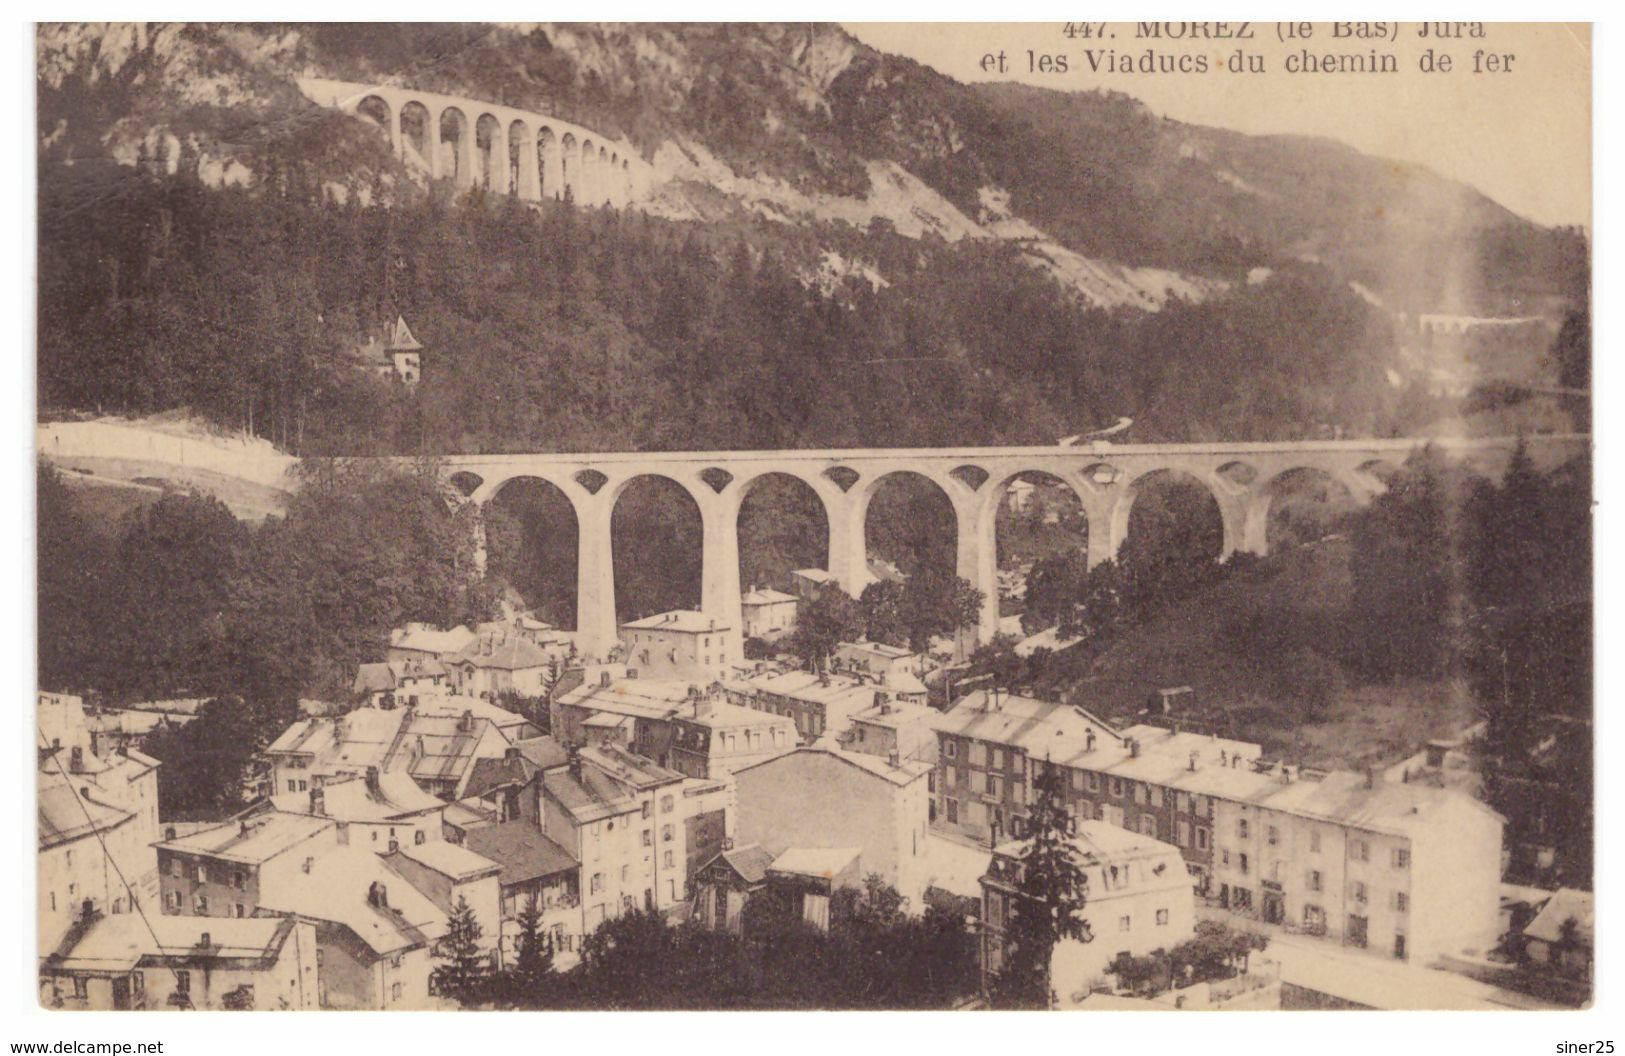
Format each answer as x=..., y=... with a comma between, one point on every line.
x=694, y=517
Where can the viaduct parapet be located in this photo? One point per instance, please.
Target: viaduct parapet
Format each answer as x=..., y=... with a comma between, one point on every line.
x=1243, y=478
x=501, y=149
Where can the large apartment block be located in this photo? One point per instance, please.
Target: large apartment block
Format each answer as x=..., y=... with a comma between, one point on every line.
x=1407, y=869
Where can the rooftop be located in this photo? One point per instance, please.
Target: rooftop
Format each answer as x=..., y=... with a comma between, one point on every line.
x=119, y=943
x=522, y=849
x=423, y=638
x=448, y=859
x=387, y=796
x=65, y=816
x=750, y=862
x=685, y=621
x=825, y=863
x=338, y=887
x=504, y=652
x=766, y=596
x=251, y=840
x=1565, y=903
x=889, y=652
x=906, y=772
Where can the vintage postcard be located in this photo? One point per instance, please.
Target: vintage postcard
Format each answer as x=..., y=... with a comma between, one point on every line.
x=1075, y=515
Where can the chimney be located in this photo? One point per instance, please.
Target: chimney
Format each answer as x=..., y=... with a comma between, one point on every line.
x=1089, y=740
x=512, y=752
x=465, y=723
x=394, y=845
x=318, y=802
x=169, y=832
x=308, y=864
x=1370, y=777
x=893, y=758
x=243, y=828
x=603, y=679
x=1235, y=761
x=575, y=763
x=1134, y=748
x=378, y=895
x=76, y=759
x=1193, y=761
x=203, y=941
x=372, y=780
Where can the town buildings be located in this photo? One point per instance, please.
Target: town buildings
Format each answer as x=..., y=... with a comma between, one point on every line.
x=495, y=664
x=822, y=797
x=98, y=819
x=694, y=730
x=532, y=866
x=1137, y=899
x=680, y=644
x=768, y=614
x=126, y=963
x=378, y=808
x=437, y=750
x=819, y=703
x=891, y=727
x=638, y=829
x=400, y=683
x=1406, y=869
x=375, y=932
x=1562, y=936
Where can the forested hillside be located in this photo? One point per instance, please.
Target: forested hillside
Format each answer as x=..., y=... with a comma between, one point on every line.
x=590, y=330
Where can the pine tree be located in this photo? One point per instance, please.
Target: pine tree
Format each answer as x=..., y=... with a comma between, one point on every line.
x=1049, y=906
x=465, y=969
x=535, y=962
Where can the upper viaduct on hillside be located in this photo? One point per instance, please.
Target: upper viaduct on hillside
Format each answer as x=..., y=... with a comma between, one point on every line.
x=1243, y=478
x=499, y=148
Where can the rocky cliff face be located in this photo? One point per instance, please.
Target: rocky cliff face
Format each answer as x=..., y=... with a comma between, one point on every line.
x=804, y=125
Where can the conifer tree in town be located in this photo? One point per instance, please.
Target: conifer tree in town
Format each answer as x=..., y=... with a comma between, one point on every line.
x=535, y=962
x=1049, y=906
x=464, y=969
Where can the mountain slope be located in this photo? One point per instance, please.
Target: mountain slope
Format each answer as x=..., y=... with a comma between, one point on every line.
x=804, y=123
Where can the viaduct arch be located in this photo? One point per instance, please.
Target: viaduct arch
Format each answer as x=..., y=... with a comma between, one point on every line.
x=505, y=150
x=1242, y=477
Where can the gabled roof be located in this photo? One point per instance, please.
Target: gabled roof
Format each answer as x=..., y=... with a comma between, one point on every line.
x=251, y=840
x=588, y=796
x=749, y=863
x=508, y=652
x=490, y=775
x=65, y=816
x=686, y=621
x=650, y=698
x=398, y=337
x=394, y=796
x=336, y=889
x=522, y=849
x=766, y=596
x=1564, y=904
x=1044, y=729
x=544, y=752
x=825, y=863
x=447, y=859
x=124, y=941
x=906, y=772
x=421, y=638
x=386, y=675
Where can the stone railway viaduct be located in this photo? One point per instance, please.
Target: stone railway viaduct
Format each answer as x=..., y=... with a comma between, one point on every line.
x=1243, y=478
x=501, y=149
